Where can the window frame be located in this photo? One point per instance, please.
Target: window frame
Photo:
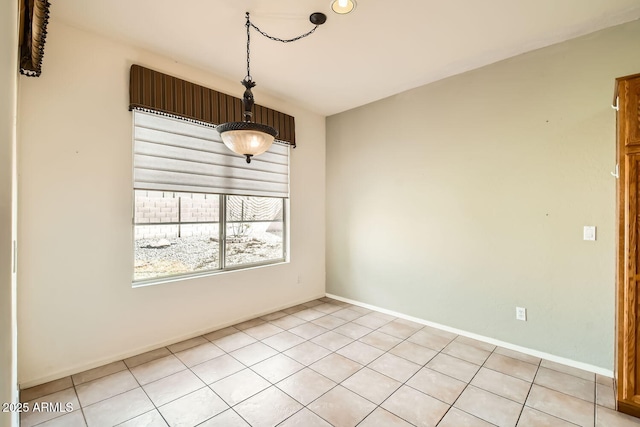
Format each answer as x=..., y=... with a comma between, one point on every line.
x=285, y=237
x=222, y=239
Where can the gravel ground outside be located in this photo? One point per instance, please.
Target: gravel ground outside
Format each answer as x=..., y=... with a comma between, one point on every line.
x=199, y=253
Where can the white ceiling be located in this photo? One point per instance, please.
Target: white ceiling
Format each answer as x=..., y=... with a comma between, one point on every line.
x=380, y=49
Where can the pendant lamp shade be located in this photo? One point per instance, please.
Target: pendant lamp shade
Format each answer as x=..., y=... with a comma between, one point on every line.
x=247, y=138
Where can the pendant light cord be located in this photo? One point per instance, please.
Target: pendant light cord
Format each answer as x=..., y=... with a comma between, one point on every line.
x=250, y=24
x=282, y=40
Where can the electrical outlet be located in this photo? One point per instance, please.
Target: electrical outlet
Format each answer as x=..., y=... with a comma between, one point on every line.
x=299, y=279
x=521, y=313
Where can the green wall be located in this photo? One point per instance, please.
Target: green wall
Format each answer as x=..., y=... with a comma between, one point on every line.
x=457, y=201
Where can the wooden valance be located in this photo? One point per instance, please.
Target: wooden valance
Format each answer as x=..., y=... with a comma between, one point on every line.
x=155, y=91
x=34, y=17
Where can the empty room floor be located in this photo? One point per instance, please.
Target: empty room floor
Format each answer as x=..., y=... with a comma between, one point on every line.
x=328, y=363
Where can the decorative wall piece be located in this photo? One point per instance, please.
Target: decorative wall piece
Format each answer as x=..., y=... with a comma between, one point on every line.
x=34, y=17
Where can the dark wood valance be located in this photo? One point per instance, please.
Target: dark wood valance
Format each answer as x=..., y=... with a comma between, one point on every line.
x=155, y=91
x=34, y=17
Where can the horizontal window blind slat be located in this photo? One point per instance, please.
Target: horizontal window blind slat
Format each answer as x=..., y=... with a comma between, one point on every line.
x=268, y=172
x=177, y=179
x=152, y=186
x=199, y=145
x=162, y=164
x=182, y=127
x=176, y=155
x=171, y=131
x=203, y=145
x=172, y=125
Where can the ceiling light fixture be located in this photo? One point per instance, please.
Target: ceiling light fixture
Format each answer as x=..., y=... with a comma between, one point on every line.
x=343, y=7
x=250, y=138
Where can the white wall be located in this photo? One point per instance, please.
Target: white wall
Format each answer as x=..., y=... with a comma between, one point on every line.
x=77, y=309
x=8, y=111
x=457, y=201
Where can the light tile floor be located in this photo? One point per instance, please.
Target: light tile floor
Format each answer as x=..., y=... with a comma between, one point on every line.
x=328, y=363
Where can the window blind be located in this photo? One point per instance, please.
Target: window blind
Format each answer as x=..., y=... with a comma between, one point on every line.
x=176, y=155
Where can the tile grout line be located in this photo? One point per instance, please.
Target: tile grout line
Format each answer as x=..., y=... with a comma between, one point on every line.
x=127, y=368
x=308, y=366
x=595, y=399
x=156, y=408
x=353, y=340
x=336, y=383
x=467, y=386
x=306, y=406
x=271, y=384
x=524, y=404
x=331, y=352
x=469, y=382
x=406, y=339
x=145, y=392
x=84, y=417
x=402, y=384
x=305, y=340
x=225, y=402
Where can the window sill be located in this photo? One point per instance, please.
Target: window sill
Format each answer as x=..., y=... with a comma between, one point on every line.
x=182, y=277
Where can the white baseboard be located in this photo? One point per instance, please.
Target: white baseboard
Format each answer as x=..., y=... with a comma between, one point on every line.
x=121, y=356
x=525, y=350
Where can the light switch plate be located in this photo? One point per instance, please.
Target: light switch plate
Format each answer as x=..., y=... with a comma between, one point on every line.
x=589, y=232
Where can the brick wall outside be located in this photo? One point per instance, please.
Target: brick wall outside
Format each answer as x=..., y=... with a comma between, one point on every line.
x=157, y=207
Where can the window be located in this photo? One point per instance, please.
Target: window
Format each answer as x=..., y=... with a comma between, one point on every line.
x=198, y=207
x=181, y=233
x=254, y=230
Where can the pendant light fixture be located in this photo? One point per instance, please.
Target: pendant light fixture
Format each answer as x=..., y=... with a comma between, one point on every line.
x=250, y=138
x=343, y=7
